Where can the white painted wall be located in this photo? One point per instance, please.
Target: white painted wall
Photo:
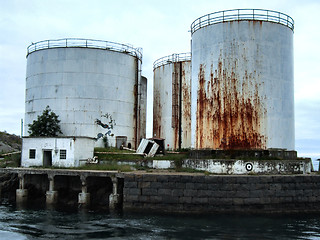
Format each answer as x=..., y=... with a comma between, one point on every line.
x=78, y=148
x=250, y=167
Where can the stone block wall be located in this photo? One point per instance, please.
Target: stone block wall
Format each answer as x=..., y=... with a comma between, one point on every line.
x=219, y=193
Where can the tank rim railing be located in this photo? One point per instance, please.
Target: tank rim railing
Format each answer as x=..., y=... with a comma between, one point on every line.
x=85, y=43
x=176, y=57
x=242, y=14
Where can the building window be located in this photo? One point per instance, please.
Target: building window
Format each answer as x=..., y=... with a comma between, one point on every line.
x=32, y=154
x=63, y=154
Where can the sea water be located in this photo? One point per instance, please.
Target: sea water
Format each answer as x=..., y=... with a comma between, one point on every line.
x=21, y=224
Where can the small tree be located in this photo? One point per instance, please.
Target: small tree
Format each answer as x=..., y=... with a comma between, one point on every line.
x=47, y=125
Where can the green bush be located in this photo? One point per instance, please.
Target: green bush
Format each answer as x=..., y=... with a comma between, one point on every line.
x=46, y=125
x=13, y=160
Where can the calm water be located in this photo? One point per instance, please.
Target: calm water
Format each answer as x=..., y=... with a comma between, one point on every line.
x=50, y=224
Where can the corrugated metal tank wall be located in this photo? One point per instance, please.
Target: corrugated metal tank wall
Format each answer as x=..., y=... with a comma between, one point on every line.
x=82, y=81
x=171, y=105
x=242, y=80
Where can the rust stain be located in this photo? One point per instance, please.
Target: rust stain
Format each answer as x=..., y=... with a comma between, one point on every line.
x=186, y=99
x=175, y=104
x=157, y=110
x=186, y=108
x=229, y=110
x=260, y=22
x=255, y=21
x=135, y=115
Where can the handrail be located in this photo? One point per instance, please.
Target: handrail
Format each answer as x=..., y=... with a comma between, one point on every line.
x=176, y=57
x=85, y=43
x=242, y=14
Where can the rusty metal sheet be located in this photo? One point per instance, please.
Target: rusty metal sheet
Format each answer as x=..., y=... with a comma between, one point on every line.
x=153, y=150
x=142, y=146
x=186, y=105
x=148, y=147
x=242, y=86
x=176, y=102
x=228, y=110
x=157, y=109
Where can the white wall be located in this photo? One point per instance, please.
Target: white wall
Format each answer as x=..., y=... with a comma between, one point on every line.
x=250, y=167
x=77, y=148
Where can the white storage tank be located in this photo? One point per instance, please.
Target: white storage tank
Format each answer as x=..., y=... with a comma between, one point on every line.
x=90, y=84
x=171, y=104
x=242, y=80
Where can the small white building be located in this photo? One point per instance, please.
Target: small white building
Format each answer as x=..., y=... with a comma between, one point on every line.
x=56, y=151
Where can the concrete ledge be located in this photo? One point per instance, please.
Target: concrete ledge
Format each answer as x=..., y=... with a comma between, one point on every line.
x=61, y=172
x=84, y=199
x=51, y=197
x=224, y=166
x=235, y=167
x=114, y=200
x=21, y=195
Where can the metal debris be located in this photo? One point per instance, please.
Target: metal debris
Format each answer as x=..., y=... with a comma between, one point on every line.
x=148, y=147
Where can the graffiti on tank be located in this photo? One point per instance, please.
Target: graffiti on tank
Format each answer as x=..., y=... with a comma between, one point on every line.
x=109, y=125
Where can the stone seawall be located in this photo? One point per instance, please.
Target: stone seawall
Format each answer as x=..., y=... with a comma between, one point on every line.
x=221, y=193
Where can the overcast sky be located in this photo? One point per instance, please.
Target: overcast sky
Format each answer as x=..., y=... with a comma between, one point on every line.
x=160, y=28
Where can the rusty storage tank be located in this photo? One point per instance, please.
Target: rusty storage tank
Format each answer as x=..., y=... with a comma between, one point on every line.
x=171, y=105
x=242, y=80
x=94, y=86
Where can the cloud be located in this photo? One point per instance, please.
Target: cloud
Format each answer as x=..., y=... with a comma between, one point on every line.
x=307, y=119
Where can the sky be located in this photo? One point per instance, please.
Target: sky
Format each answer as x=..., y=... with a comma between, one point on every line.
x=160, y=28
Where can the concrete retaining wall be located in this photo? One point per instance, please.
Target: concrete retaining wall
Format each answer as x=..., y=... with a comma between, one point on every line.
x=205, y=194
x=225, y=166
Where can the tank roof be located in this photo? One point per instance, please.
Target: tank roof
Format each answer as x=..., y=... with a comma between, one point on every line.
x=85, y=43
x=242, y=14
x=176, y=57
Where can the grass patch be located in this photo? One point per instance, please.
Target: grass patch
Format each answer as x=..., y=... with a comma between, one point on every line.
x=115, y=154
x=118, y=157
x=182, y=150
x=107, y=167
x=142, y=168
x=111, y=150
x=170, y=156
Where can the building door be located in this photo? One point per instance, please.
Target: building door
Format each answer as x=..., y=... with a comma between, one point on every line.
x=47, y=158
